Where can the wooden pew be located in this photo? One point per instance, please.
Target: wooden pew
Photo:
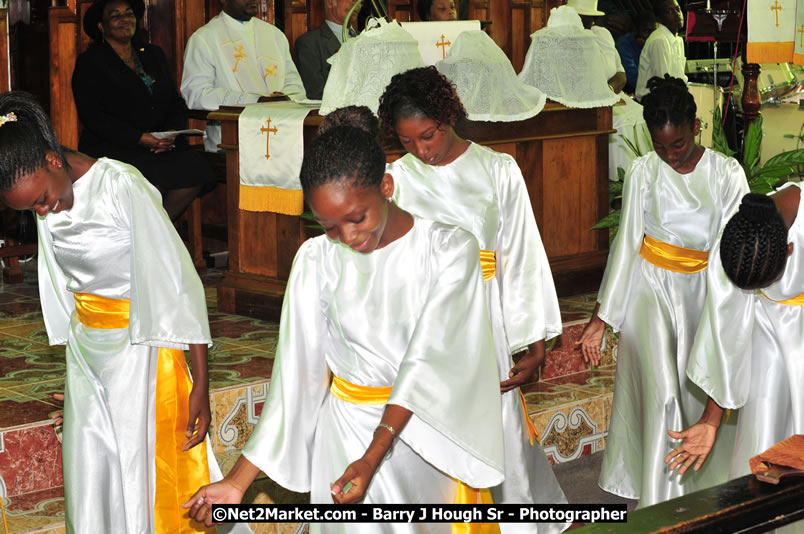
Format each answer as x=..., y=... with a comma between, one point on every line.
x=563, y=154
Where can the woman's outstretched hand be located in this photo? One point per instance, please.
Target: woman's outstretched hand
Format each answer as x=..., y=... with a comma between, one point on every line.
x=352, y=485
x=200, y=504
x=697, y=443
x=591, y=339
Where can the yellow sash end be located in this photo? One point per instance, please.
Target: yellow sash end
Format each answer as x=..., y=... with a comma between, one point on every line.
x=468, y=495
x=488, y=264
x=534, y=436
x=673, y=258
x=101, y=312
x=358, y=394
x=795, y=301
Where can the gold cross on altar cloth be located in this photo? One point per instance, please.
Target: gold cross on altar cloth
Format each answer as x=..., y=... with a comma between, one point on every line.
x=443, y=44
x=801, y=35
x=776, y=7
x=239, y=54
x=270, y=71
x=268, y=130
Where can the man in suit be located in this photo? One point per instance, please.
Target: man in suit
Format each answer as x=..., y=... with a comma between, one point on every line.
x=311, y=50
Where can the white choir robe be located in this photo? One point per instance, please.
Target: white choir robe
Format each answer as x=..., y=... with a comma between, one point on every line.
x=749, y=354
x=657, y=312
x=232, y=63
x=116, y=242
x=410, y=315
x=626, y=119
x=662, y=54
x=483, y=192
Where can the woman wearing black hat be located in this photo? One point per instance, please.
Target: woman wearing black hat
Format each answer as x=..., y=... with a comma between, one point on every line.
x=124, y=91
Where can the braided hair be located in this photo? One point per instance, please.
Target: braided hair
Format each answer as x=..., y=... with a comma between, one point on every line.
x=421, y=91
x=753, y=248
x=357, y=116
x=26, y=137
x=669, y=102
x=343, y=154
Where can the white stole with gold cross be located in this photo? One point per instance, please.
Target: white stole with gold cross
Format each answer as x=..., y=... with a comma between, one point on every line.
x=250, y=56
x=436, y=38
x=271, y=150
x=775, y=31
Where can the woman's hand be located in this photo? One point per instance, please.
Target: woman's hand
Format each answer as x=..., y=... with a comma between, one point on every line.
x=591, y=339
x=200, y=504
x=352, y=485
x=698, y=441
x=523, y=371
x=157, y=145
x=199, y=417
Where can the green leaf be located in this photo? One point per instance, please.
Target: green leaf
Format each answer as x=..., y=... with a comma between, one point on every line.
x=787, y=159
x=751, y=148
x=769, y=172
x=609, y=221
x=620, y=174
x=719, y=141
x=615, y=190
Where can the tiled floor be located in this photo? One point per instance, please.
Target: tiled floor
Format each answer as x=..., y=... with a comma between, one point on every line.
x=570, y=405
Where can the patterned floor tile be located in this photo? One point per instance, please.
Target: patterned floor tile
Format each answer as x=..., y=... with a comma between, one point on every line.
x=37, y=510
x=577, y=308
x=543, y=395
x=17, y=368
x=599, y=380
x=17, y=410
x=30, y=460
x=42, y=390
x=569, y=432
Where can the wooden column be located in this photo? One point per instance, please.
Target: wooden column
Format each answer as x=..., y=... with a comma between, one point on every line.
x=751, y=98
x=5, y=65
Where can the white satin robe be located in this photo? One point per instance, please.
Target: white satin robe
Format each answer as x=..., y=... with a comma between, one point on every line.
x=657, y=313
x=116, y=242
x=410, y=315
x=749, y=354
x=483, y=192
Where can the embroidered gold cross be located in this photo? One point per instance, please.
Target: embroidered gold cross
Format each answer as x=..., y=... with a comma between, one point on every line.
x=776, y=7
x=801, y=32
x=443, y=44
x=268, y=130
x=239, y=54
x=270, y=71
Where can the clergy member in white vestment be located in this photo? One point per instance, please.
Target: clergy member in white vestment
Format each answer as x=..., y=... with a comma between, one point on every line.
x=118, y=287
x=235, y=59
x=449, y=179
x=749, y=351
x=663, y=52
x=383, y=389
x=675, y=202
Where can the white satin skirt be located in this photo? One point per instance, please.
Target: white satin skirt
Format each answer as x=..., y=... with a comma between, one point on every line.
x=343, y=434
x=109, y=435
x=652, y=393
x=774, y=409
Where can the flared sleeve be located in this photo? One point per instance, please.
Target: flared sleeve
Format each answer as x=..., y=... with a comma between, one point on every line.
x=282, y=442
x=720, y=360
x=448, y=377
x=168, y=306
x=530, y=302
x=615, y=289
x=57, y=302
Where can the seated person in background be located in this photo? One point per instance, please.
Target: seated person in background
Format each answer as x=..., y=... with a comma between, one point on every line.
x=630, y=46
x=433, y=10
x=123, y=91
x=615, y=73
x=311, y=50
x=237, y=59
x=663, y=52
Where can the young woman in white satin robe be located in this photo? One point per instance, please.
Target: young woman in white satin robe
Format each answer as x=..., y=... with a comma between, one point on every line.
x=129, y=438
x=681, y=195
x=392, y=305
x=449, y=179
x=749, y=351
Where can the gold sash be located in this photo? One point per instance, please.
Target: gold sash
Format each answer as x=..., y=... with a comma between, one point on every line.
x=672, y=257
x=795, y=301
x=464, y=494
x=488, y=264
x=178, y=473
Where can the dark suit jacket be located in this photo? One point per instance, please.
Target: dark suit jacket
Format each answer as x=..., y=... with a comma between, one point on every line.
x=310, y=54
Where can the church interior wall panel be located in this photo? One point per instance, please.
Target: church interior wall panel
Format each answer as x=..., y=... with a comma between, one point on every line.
x=401, y=10
x=5, y=65
x=529, y=158
x=569, y=174
x=519, y=33
x=299, y=18
x=64, y=26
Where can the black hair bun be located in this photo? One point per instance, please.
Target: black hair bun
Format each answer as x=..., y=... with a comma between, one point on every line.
x=757, y=207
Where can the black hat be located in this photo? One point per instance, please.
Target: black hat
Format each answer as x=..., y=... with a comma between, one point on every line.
x=94, y=15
